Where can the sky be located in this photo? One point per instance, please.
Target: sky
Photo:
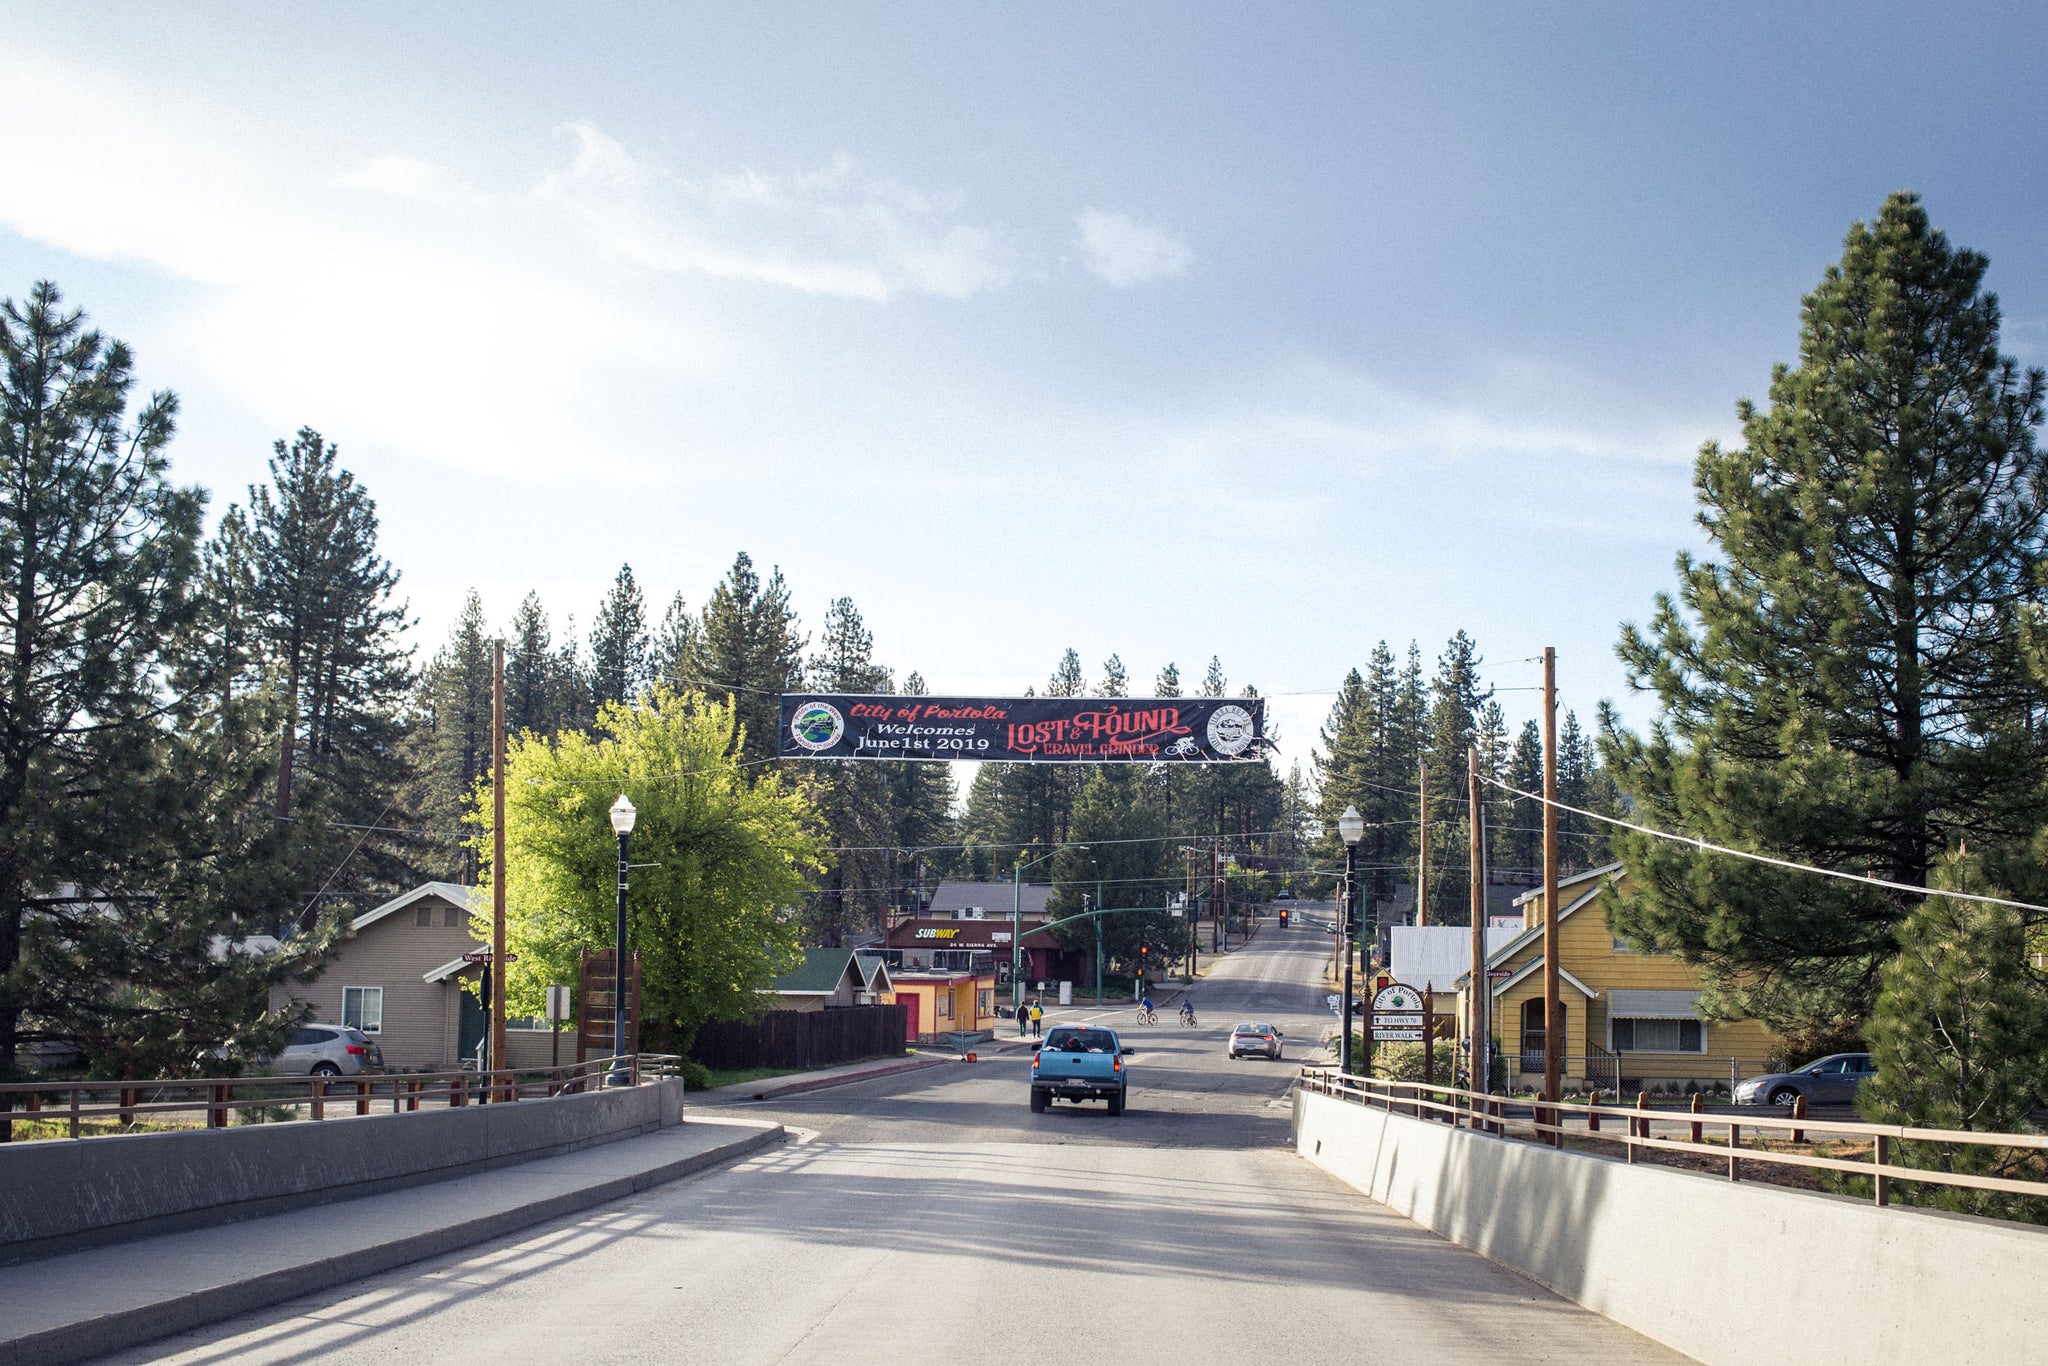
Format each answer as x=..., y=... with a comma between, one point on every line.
x=1267, y=332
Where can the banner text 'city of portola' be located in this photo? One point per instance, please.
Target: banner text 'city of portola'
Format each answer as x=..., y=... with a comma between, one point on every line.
x=1024, y=730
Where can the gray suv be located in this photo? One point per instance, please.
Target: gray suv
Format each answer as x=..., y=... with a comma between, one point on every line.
x=1832, y=1080
x=329, y=1050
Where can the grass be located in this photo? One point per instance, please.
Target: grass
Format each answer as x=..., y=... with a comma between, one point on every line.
x=738, y=1076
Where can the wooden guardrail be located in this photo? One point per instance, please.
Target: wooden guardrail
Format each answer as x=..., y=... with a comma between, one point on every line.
x=218, y=1098
x=1484, y=1113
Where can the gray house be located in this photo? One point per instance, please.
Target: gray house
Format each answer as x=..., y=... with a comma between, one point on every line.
x=399, y=977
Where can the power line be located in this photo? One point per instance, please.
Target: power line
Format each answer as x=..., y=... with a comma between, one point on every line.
x=1697, y=843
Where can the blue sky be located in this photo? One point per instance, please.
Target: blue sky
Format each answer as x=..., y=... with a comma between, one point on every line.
x=1165, y=330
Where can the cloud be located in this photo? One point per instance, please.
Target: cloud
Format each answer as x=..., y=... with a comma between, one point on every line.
x=831, y=230
x=403, y=177
x=1125, y=252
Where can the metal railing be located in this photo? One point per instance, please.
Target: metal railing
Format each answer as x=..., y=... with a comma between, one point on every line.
x=219, y=1099
x=1617, y=1073
x=1548, y=1121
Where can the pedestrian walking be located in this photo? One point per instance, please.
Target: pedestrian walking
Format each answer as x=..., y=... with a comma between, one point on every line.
x=1023, y=1019
x=1037, y=1020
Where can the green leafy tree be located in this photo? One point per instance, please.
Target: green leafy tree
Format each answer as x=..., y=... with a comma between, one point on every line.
x=748, y=652
x=724, y=855
x=131, y=776
x=1841, y=685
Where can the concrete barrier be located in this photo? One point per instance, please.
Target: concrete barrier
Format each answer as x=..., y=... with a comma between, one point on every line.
x=1729, y=1273
x=62, y=1195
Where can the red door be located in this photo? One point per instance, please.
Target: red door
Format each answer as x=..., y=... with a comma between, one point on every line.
x=910, y=1000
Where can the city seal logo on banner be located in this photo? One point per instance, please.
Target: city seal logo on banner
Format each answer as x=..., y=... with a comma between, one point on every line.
x=1231, y=730
x=817, y=725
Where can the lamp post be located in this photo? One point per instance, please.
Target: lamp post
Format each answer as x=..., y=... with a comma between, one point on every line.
x=1350, y=826
x=622, y=824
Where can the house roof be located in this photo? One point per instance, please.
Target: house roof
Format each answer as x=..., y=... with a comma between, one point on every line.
x=822, y=971
x=1532, y=965
x=993, y=897
x=1536, y=893
x=1534, y=934
x=874, y=972
x=449, y=969
x=453, y=892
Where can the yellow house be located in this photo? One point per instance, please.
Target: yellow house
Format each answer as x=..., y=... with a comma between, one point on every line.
x=938, y=1003
x=1631, y=1018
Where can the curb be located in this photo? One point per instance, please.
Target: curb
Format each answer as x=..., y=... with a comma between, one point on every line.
x=182, y=1313
x=820, y=1083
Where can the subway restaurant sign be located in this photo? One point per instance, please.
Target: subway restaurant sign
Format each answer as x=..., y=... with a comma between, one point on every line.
x=1024, y=730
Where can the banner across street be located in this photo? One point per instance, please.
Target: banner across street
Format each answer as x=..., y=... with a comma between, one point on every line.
x=1017, y=730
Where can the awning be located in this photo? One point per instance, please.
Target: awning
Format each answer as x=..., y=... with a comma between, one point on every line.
x=1653, y=1005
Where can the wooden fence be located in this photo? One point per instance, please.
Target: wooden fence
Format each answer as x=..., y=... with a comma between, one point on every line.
x=802, y=1038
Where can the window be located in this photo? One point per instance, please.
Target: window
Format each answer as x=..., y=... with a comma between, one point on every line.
x=985, y=1001
x=363, y=1008
x=451, y=917
x=423, y=916
x=945, y=1005
x=1658, y=1036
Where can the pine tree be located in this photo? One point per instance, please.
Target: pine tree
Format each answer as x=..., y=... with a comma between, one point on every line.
x=132, y=829
x=674, y=639
x=531, y=700
x=851, y=795
x=1519, y=839
x=1168, y=682
x=1116, y=681
x=618, y=642
x=330, y=630
x=1213, y=682
x=1457, y=706
x=921, y=797
x=1067, y=680
x=452, y=743
x=1840, y=684
x=747, y=651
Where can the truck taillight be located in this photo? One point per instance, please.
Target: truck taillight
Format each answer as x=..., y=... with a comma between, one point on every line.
x=1034, y=1062
x=1116, y=1064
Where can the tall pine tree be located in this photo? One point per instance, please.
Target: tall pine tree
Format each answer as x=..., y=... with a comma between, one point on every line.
x=1841, y=684
x=618, y=642
x=748, y=651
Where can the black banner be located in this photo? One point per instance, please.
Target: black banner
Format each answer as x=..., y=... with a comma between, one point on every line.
x=1024, y=730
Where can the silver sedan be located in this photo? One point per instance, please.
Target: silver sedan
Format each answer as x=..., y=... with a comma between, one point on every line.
x=1262, y=1039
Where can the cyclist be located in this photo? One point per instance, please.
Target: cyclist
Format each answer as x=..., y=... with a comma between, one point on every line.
x=1187, y=1012
x=1145, y=1009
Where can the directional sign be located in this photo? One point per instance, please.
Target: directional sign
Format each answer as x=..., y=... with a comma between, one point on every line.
x=1396, y=1022
x=1397, y=1035
x=485, y=957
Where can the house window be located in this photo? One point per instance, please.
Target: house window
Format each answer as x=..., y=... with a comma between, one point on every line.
x=363, y=1008
x=1658, y=1036
x=423, y=917
x=985, y=1001
x=945, y=1005
x=451, y=917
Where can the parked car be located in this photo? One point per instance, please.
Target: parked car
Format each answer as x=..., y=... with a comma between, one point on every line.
x=1080, y=1064
x=1824, y=1081
x=329, y=1050
x=1262, y=1039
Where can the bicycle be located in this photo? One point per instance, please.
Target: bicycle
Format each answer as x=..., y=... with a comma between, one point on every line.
x=1187, y=1020
x=1148, y=1017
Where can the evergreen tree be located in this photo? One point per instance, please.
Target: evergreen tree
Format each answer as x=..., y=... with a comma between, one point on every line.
x=452, y=741
x=1116, y=681
x=1126, y=864
x=618, y=643
x=1168, y=682
x=572, y=688
x=673, y=642
x=921, y=797
x=1067, y=680
x=1519, y=833
x=322, y=600
x=1840, y=685
x=131, y=779
x=851, y=795
x=1960, y=1038
x=531, y=700
x=1213, y=682
x=1457, y=706
x=747, y=651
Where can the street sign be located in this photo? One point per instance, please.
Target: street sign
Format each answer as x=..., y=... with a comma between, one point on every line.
x=1396, y=996
x=485, y=957
x=1403, y=1021
x=1396, y=1035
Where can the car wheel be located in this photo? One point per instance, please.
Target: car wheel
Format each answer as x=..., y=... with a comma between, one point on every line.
x=326, y=1069
x=1037, y=1101
x=1785, y=1096
x=1116, y=1105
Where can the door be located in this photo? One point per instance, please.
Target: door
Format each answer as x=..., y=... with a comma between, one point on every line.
x=1533, y=1035
x=469, y=1033
x=909, y=1000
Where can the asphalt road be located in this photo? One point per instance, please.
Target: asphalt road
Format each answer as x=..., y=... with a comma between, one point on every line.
x=931, y=1216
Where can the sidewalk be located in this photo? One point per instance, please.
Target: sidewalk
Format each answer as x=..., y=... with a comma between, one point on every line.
x=86, y=1304
x=773, y=1088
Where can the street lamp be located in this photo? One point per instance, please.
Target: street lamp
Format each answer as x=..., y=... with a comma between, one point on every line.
x=622, y=824
x=1017, y=923
x=1350, y=826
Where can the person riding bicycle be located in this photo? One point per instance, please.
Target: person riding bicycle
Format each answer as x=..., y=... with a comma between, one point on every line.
x=1146, y=1005
x=1187, y=1012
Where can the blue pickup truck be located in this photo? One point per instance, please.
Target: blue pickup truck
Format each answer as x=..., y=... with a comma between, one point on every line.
x=1076, y=1063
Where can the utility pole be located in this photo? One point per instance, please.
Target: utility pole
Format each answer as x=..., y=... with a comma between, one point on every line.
x=1553, y=1016
x=1191, y=909
x=1422, y=834
x=497, y=968
x=1480, y=993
